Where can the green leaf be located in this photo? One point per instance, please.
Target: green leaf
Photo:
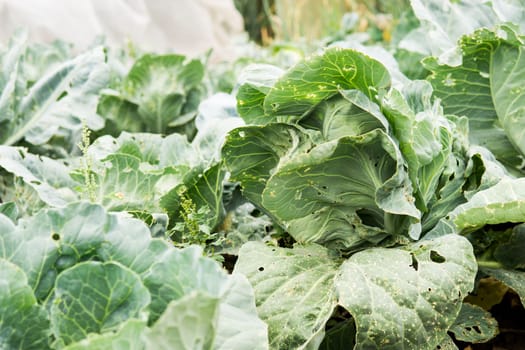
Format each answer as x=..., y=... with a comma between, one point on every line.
x=177, y=273
x=251, y=153
x=48, y=177
x=119, y=114
x=474, y=325
x=53, y=240
x=350, y=113
x=188, y=323
x=341, y=185
x=510, y=252
x=255, y=81
x=471, y=88
x=171, y=274
x=407, y=297
x=238, y=324
x=199, y=321
x=128, y=337
x=123, y=185
x=302, y=277
x=508, y=92
x=162, y=88
x=94, y=297
x=128, y=241
x=443, y=22
x=435, y=149
x=59, y=101
x=23, y=323
x=322, y=76
x=10, y=210
x=204, y=190
x=10, y=77
x=512, y=278
x=424, y=134
x=498, y=204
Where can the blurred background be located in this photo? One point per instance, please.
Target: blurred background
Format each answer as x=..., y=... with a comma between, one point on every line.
x=192, y=27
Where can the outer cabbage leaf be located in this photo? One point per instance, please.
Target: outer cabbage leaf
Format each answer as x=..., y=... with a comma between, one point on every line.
x=57, y=103
x=23, y=323
x=94, y=297
x=474, y=325
x=501, y=203
x=201, y=321
x=444, y=22
x=510, y=11
x=507, y=74
x=255, y=81
x=128, y=337
x=188, y=323
x=301, y=277
x=341, y=184
x=53, y=240
x=407, y=297
x=475, y=89
x=170, y=274
x=123, y=185
x=11, y=80
x=378, y=53
x=322, y=76
x=48, y=177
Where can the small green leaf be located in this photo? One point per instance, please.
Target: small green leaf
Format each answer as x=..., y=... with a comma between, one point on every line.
x=474, y=325
x=94, y=297
x=23, y=323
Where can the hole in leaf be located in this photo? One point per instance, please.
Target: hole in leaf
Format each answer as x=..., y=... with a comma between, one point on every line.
x=261, y=268
x=436, y=257
x=55, y=236
x=430, y=289
x=476, y=328
x=369, y=218
x=468, y=329
x=414, y=264
x=256, y=213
